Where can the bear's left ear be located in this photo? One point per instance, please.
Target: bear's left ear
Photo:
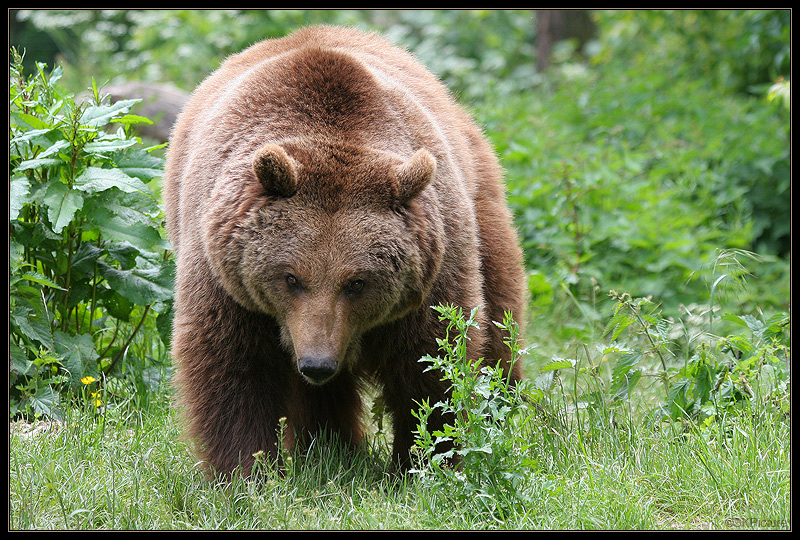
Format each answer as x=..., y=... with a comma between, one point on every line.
x=276, y=170
x=414, y=175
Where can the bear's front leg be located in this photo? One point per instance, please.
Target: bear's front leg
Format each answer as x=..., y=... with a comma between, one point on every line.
x=403, y=396
x=333, y=408
x=232, y=379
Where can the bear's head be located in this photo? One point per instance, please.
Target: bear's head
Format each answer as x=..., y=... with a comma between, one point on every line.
x=331, y=239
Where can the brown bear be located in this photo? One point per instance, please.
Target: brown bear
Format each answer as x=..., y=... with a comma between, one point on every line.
x=322, y=192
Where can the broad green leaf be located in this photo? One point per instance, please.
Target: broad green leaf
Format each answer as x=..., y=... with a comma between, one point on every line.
x=30, y=321
x=132, y=119
x=35, y=277
x=741, y=343
x=45, y=402
x=142, y=204
x=618, y=323
x=54, y=149
x=117, y=305
x=18, y=361
x=558, y=363
x=755, y=325
x=137, y=207
x=34, y=122
x=164, y=323
x=141, y=164
x=677, y=398
x=137, y=234
x=85, y=258
x=38, y=163
x=124, y=253
x=110, y=145
x=88, y=254
x=485, y=449
x=624, y=363
x=777, y=323
x=95, y=179
x=78, y=355
x=703, y=382
x=55, y=75
x=128, y=228
x=38, y=137
x=127, y=217
x=142, y=286
x=62, y=203
x=730, y=317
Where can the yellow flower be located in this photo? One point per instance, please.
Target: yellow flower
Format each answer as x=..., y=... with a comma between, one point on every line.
x=97, y=401
x=88, y=380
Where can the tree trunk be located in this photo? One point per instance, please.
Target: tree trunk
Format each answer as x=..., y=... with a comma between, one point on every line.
x=554, y=25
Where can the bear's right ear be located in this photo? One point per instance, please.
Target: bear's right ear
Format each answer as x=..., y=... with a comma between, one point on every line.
x=414, y=175
x=276, y=170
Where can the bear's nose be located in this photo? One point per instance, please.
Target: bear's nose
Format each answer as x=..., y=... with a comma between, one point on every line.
x=317, y=370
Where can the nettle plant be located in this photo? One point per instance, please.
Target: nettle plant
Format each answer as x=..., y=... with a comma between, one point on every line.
x=707, y=374
x=698, y=367
x=88, y=264
x=487, y=464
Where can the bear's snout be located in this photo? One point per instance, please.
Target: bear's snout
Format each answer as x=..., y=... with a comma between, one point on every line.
x=317, y=370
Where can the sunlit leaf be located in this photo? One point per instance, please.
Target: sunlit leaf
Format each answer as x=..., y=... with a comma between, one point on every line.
x=98, y=116
x=17, y=196
x=62, y=204
x=95, y=179
x=142, y=286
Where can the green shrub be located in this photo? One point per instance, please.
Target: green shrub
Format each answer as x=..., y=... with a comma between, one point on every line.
x=625, y=178
x=89, y=268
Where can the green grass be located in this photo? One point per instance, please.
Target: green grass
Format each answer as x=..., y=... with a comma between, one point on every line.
x=129, y=469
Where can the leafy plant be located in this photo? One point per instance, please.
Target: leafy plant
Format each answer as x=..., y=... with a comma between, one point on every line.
x=88, y=265
x=717, y=373
x=486, y=465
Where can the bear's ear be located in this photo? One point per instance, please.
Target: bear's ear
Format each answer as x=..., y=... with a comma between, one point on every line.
x=276, y=170
x=414, y=175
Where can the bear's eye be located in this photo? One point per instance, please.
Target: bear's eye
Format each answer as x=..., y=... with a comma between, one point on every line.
x=292, y=282
x=354, y=287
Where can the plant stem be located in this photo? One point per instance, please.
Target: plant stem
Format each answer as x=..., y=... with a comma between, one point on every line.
x=127, y=343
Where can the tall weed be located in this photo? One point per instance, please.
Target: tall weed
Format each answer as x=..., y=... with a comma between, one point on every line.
x=486, y=468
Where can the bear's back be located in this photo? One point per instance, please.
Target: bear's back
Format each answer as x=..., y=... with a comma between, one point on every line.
x=319, y=82
x=383, y=58
x=335, y=63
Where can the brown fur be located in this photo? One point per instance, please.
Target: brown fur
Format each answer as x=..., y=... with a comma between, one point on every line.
x=322, y=192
